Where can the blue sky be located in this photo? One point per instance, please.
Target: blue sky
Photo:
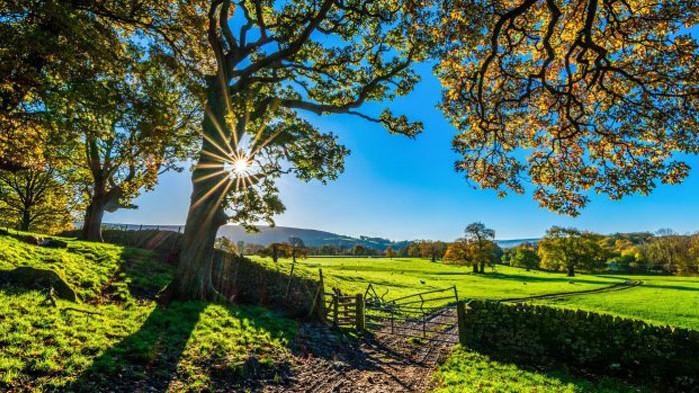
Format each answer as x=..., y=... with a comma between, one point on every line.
x=407, y=189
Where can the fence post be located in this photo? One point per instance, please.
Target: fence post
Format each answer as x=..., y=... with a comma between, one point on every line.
x=360, y=317
x=335, y=309
x=461, y=319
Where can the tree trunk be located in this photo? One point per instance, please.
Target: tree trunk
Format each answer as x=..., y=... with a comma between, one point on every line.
x=92, y=226
x=26, y=220
x=571, y=271
x=192, y=280
x=482, y=267
x=475, y=268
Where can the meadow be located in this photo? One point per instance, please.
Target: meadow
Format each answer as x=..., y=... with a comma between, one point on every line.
x=404, y=276
x=116, y=329
x=663, y=300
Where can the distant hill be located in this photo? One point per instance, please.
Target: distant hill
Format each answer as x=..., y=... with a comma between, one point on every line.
x=310, y=237
x=278, y=234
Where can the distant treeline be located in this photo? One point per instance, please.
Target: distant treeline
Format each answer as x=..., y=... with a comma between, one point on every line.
x=562, y=249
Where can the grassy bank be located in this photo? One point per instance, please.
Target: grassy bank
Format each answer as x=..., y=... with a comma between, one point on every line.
x=126, y=341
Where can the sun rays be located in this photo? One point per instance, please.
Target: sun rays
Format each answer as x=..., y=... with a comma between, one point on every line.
x=235, y=161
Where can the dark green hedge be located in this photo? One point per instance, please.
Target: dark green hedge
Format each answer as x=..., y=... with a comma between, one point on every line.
x=665, y=357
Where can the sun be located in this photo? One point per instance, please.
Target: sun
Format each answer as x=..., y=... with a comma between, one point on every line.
x=237, y=167
x=241, y=166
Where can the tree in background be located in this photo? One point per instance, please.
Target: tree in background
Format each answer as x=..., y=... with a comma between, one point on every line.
x=390, y=253
x=673, y=253
x=481, y=240
x=129, y=128
x=240, y=246
x=276, y=251
x=225, y=244
x=36, y=200
x=568, y=249
x=524, y=255
x=297, y=249
x=320, y=57
x=460, y=253
x=432, y=249
x=358, y=249
x=601, y=95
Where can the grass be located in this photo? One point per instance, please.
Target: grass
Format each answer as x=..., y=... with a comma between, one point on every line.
x=134, y=345
x=188, y=346
x=660, y=300
x=405, y=276
x=468, y=371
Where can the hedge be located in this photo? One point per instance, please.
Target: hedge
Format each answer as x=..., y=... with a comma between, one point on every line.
x=660, y=356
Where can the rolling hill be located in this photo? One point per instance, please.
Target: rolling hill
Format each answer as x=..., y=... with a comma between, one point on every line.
x=311, y=237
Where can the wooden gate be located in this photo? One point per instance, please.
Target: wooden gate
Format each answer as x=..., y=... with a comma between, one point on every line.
x=428, y=316
x=345, y=311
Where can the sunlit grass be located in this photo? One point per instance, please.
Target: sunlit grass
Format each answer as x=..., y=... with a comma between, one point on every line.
x=188, y=346
x=660, y=300
x=403, y=276
x=470, y=372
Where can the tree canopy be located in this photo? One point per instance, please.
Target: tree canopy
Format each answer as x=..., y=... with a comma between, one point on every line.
x=571, y=95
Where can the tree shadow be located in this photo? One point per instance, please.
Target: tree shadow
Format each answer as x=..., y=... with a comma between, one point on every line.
x=147, y=359
x=573, y=280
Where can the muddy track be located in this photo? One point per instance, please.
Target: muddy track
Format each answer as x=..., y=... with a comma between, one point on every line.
x=380, y=363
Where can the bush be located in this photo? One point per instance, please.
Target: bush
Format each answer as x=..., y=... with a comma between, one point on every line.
x=662, y=356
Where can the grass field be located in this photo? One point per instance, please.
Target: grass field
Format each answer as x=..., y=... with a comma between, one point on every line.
x=404, y=276
x=659, y=300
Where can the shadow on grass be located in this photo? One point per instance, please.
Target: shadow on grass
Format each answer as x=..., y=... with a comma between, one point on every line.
x=574, y=280
x=147, y=359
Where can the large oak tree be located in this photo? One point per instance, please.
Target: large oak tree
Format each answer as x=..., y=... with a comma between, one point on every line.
x=571, y=95
x=274, y=60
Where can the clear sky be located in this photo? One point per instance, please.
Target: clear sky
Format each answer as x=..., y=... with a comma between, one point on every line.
x=405, y=189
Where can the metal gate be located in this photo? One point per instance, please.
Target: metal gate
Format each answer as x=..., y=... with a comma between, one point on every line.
x=426, y=316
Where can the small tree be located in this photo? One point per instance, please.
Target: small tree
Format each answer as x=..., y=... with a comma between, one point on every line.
x=432, y=249
x=481, y=240
x=568, y=249
x=126, y=129
x=36, y=200
x=524, y=255
x=276, y=251
x=358, y=249
x=459, y=253
x=297, y=249
x=390, y=253
x=225, y=244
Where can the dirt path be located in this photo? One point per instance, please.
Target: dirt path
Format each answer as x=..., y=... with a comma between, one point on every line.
x=384, y=363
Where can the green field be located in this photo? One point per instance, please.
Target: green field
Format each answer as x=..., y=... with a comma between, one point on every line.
x=660, y=300
x=405, y=276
